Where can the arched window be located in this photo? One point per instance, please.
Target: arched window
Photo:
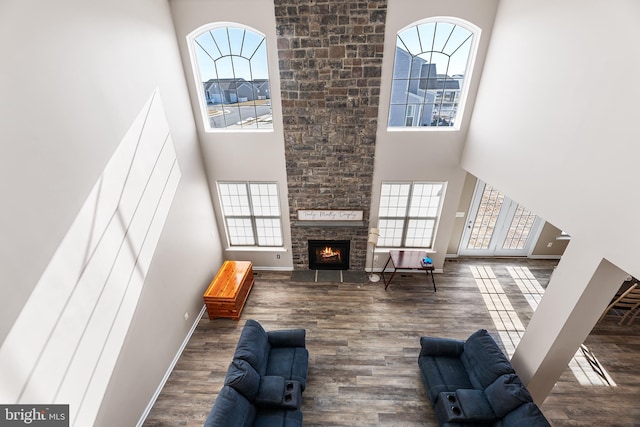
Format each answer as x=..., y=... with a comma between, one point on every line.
x=230, y=67
x=433, y=61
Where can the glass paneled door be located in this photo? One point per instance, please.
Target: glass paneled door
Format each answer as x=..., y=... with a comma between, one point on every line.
x=498, y=226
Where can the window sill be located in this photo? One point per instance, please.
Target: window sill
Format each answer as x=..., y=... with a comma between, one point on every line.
x=386, y=250
x=423, y=129
x=238, y=130
x=256, y=249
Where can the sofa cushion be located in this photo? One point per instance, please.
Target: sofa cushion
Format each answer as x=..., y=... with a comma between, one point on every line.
x=242, y=377
x=231, y=409
x=483, y=359
x=271, y=391
x=253, y=346
x=442, y=374
x=506, y=393
x=454, y=424
x=287, y=338
x=291, y=363
x=435, y=346
x=274, y=417
x=474, y=404
x=527, y=414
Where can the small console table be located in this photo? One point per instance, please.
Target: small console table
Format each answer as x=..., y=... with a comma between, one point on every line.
x=407, y=260
x=228, y=291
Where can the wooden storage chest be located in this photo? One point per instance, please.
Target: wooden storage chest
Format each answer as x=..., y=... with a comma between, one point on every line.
x=228, y=291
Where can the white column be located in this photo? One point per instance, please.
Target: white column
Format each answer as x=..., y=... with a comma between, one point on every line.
x=580, y=289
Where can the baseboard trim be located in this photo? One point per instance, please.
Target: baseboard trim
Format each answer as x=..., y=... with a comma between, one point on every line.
x=545, y=256
x=258, y=268
x=152, y=402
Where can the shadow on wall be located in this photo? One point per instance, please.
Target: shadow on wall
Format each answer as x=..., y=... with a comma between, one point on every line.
x=64, y=345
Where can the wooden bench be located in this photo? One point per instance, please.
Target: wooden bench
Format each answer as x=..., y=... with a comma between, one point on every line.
x=228, y=291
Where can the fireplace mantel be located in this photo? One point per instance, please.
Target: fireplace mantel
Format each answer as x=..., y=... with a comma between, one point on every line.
x=330, y=218
x=327, y=224
x=330, y=215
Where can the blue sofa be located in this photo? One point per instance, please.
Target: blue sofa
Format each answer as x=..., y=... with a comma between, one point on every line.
x=265, y=380
x=473, y=383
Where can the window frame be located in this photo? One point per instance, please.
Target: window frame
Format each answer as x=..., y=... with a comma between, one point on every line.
x=198, y=80
x=252, y=216
x=438, y=99
x=407, y=217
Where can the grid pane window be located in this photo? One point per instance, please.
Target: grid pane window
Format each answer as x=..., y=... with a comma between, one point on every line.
x=269, y=231
x=264, y=198
x=240, y=231
x=393, y=200
x=230, y=64
x=425, y=200
x=420, y=232
x=486, y=218
x=430, y=71
x=234, y=200
x=252, y=213
x=408, y=213
x=390, y=232
x=519, y=229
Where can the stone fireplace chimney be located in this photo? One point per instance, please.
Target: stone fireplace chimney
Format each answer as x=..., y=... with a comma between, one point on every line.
x=330, y=58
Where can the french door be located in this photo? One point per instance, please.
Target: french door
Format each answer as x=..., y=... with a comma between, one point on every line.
x=498, y=226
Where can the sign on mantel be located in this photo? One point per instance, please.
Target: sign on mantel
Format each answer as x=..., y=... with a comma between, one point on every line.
x=329, y=215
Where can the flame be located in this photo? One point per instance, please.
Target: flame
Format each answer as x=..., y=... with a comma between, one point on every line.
x=328, y=252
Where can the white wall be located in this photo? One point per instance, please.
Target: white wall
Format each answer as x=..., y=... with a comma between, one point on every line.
x=554, y=124
x=424, y=155
x=232, y=155
x=554, y=128
x=75, y=76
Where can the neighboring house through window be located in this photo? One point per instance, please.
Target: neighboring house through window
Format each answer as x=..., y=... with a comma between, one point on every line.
x=231, y=72
x=251, y=213
x=409, y=213
x=433, y=61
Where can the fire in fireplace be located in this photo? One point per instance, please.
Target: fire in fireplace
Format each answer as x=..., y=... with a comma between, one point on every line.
x=329, y=254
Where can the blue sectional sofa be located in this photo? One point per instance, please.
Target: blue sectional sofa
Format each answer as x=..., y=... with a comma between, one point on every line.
x=473, y=383
x=264, y=383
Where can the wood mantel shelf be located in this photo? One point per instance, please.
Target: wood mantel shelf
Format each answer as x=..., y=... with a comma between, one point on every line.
x=228, y=291
x=328, y=224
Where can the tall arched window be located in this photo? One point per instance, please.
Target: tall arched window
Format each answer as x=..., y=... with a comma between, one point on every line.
x=230, y=67
x=433, y=62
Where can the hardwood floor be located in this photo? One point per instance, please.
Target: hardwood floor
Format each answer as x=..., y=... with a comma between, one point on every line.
x=363, y=343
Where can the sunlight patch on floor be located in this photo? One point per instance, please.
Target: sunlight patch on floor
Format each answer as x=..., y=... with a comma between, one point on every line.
x=505, y=318
x=587, y=370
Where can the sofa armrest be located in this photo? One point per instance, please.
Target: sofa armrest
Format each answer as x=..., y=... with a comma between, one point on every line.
x=433, y=346
x=463, y=406
x=475, y=405
x=287, y=338
x=276, y=392
x=231, y=409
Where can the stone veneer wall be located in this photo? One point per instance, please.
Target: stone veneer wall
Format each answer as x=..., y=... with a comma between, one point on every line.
x=330, y=58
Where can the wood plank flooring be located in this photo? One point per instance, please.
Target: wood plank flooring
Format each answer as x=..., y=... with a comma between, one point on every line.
x=363, y=343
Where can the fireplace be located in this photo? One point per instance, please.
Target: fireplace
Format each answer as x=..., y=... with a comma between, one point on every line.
x=329, y=254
